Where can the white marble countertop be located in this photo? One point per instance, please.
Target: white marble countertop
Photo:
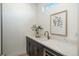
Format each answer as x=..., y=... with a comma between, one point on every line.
x=62, y=47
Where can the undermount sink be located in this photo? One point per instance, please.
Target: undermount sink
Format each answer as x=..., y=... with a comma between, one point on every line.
x=45, y=39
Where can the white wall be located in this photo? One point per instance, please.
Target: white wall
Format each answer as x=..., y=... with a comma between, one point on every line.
x=44, y=20
x=17, y=20
x=0, y=28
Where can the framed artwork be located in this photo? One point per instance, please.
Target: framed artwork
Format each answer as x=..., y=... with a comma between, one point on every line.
x=58, y=23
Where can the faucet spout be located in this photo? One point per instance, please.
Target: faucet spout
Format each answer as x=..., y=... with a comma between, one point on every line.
x=47, y=34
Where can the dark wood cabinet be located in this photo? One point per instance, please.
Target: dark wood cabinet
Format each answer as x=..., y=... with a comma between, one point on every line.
x=36, y=49
x=33, y=48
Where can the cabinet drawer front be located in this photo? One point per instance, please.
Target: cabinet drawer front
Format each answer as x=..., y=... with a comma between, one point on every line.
x=48, y=52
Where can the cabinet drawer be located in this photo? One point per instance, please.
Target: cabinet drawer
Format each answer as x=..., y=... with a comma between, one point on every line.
x=48, y=52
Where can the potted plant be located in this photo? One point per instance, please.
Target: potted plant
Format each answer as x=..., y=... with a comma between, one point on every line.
x=37, y=29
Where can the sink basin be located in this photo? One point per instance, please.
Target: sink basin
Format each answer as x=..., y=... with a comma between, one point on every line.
x=43, y=39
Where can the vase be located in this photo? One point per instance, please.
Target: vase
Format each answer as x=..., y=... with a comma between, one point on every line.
x=37, y=35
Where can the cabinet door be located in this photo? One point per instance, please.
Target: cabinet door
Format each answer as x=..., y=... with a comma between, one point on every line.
x=30, y=46
x=39, y=50
x=31, y=50
x=27, y=45
x=34, y=48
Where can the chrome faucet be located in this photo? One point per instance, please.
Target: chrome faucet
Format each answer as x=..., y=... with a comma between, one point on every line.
x=48, y=37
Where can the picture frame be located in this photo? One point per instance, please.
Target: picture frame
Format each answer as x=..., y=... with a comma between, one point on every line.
x=58, y=23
